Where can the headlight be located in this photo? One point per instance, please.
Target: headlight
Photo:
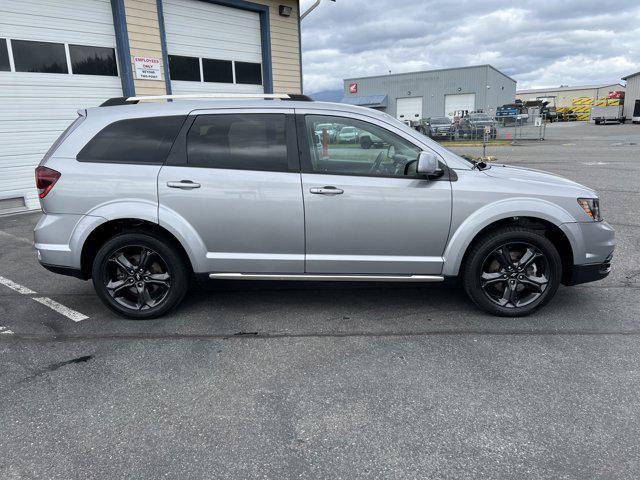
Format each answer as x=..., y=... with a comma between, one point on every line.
x=591, y=207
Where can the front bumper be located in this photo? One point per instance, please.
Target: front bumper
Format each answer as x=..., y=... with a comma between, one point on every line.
x=589, y=272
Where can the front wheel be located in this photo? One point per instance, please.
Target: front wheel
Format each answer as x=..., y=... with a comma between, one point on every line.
x=139, y=275
x=512, y=272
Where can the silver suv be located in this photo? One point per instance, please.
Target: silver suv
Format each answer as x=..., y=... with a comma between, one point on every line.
x=142, y=197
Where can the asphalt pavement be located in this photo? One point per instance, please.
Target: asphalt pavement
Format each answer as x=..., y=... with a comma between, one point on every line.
x=285, y=380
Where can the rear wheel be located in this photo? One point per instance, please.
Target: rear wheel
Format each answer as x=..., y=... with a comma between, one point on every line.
x=512, y=272
x=139, y=275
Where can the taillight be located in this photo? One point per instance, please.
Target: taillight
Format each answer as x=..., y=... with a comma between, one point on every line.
x=46, y=178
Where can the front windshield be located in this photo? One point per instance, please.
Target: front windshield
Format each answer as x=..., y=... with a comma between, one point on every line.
x=440, y=121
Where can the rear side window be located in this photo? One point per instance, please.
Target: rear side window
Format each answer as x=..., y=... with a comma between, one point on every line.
x=244, y=141
x=137, y=140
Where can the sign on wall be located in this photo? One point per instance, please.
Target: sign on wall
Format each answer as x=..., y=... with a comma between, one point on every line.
x=147, y=68
x=353, y=88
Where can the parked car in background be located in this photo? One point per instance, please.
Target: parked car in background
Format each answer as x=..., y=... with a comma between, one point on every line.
x=348, y=135
x=438, y=128
x=142, y=198
x=475, y=124
x=330, y=129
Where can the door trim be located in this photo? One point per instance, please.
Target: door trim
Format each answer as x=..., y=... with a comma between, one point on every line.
x=333, y=278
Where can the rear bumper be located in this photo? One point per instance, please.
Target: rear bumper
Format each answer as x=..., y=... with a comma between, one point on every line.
x=70, y=272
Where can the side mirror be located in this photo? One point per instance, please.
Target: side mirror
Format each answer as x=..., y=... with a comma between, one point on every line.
x=427, y=164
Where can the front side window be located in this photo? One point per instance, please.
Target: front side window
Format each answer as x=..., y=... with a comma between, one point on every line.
x=240, y=141
x=86, y=60
x=358, y=148
x=5, y=66
x=43, y=57
x=136, y=140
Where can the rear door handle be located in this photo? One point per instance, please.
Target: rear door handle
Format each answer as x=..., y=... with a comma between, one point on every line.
x=328, y=190
x=183, y=184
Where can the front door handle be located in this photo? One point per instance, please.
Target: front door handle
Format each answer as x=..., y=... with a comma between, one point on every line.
x=183, y=184
x=328, y=190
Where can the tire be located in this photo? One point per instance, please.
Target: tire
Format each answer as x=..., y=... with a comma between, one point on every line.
x=489, y=284
x=140, y=292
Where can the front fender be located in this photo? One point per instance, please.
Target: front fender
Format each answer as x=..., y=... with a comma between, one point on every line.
x=464, y=234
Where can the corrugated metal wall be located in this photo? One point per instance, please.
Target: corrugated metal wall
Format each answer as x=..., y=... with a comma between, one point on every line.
x=632, y=94
x=433, y=85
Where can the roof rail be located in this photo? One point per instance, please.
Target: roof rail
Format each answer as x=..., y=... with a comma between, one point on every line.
x=237, y=96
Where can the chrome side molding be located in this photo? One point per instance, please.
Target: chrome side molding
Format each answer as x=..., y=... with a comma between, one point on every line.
x=326, y=277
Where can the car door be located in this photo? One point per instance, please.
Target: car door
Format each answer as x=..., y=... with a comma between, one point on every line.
x=236, y=183
x=365, y=212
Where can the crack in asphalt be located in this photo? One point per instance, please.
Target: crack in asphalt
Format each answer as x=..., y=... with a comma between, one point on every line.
x=284, y=335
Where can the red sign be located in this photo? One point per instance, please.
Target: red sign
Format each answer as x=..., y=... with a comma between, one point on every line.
x=353, y=88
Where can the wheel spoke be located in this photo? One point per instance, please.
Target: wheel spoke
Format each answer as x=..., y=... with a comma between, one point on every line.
x=491, y=278
x=527, y=257
x=122, y=262
x=504, y=257
x=159, y=279
x=145, y=257
x=536, y=283
x=116, y=286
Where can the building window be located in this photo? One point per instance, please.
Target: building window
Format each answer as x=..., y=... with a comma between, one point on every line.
x=43, y=57
x=86, y=60
x=138, y=141
x=249, y=73
x=5, y=66
x=243, y=142
x=184, y=68
x=220, y=71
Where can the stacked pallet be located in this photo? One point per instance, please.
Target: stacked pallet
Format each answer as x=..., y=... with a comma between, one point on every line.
x=582, y=107
x=606, y=101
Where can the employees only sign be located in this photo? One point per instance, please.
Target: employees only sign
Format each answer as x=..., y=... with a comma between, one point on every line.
x=147, y=68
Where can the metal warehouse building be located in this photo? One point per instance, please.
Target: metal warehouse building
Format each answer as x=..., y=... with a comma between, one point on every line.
x=58, y=56
x=564, y=95
x=433, y=93
x=632, y=97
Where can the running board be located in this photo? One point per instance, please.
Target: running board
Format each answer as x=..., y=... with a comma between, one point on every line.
x=330, y=278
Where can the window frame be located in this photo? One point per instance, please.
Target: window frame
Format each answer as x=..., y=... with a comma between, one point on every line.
x=65, y=53
x=179, y=154
x=305, y=150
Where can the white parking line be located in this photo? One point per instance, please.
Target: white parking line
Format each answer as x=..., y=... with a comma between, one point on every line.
x=14, y=286
x=61, y=309
x=5, y=331
x=46, y=301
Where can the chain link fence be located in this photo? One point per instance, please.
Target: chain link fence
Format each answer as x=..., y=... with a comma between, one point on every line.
x=481, y=127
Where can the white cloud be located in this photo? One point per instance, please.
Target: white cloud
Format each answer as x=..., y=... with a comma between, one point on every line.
x=539, y=42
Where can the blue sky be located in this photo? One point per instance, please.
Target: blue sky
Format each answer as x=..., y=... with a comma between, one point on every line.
x=540, y=43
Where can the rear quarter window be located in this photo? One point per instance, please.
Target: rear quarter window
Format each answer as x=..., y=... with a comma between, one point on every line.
x=137, y=140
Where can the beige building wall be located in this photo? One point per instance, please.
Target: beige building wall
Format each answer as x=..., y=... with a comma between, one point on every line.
x=285, y=47
x=564, y=98
x=144, y=40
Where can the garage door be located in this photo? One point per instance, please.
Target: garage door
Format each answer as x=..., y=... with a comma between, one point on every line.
x=55, y=57
x=457, y=102
x=212, y=48
x=409, y=109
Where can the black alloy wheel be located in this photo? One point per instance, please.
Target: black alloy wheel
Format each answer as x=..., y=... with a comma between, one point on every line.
x=137, y=277
x=141, y=275
x=514, y=275
x=512, y=271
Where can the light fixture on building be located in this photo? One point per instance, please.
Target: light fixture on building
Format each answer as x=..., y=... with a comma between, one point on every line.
x=285, y=10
